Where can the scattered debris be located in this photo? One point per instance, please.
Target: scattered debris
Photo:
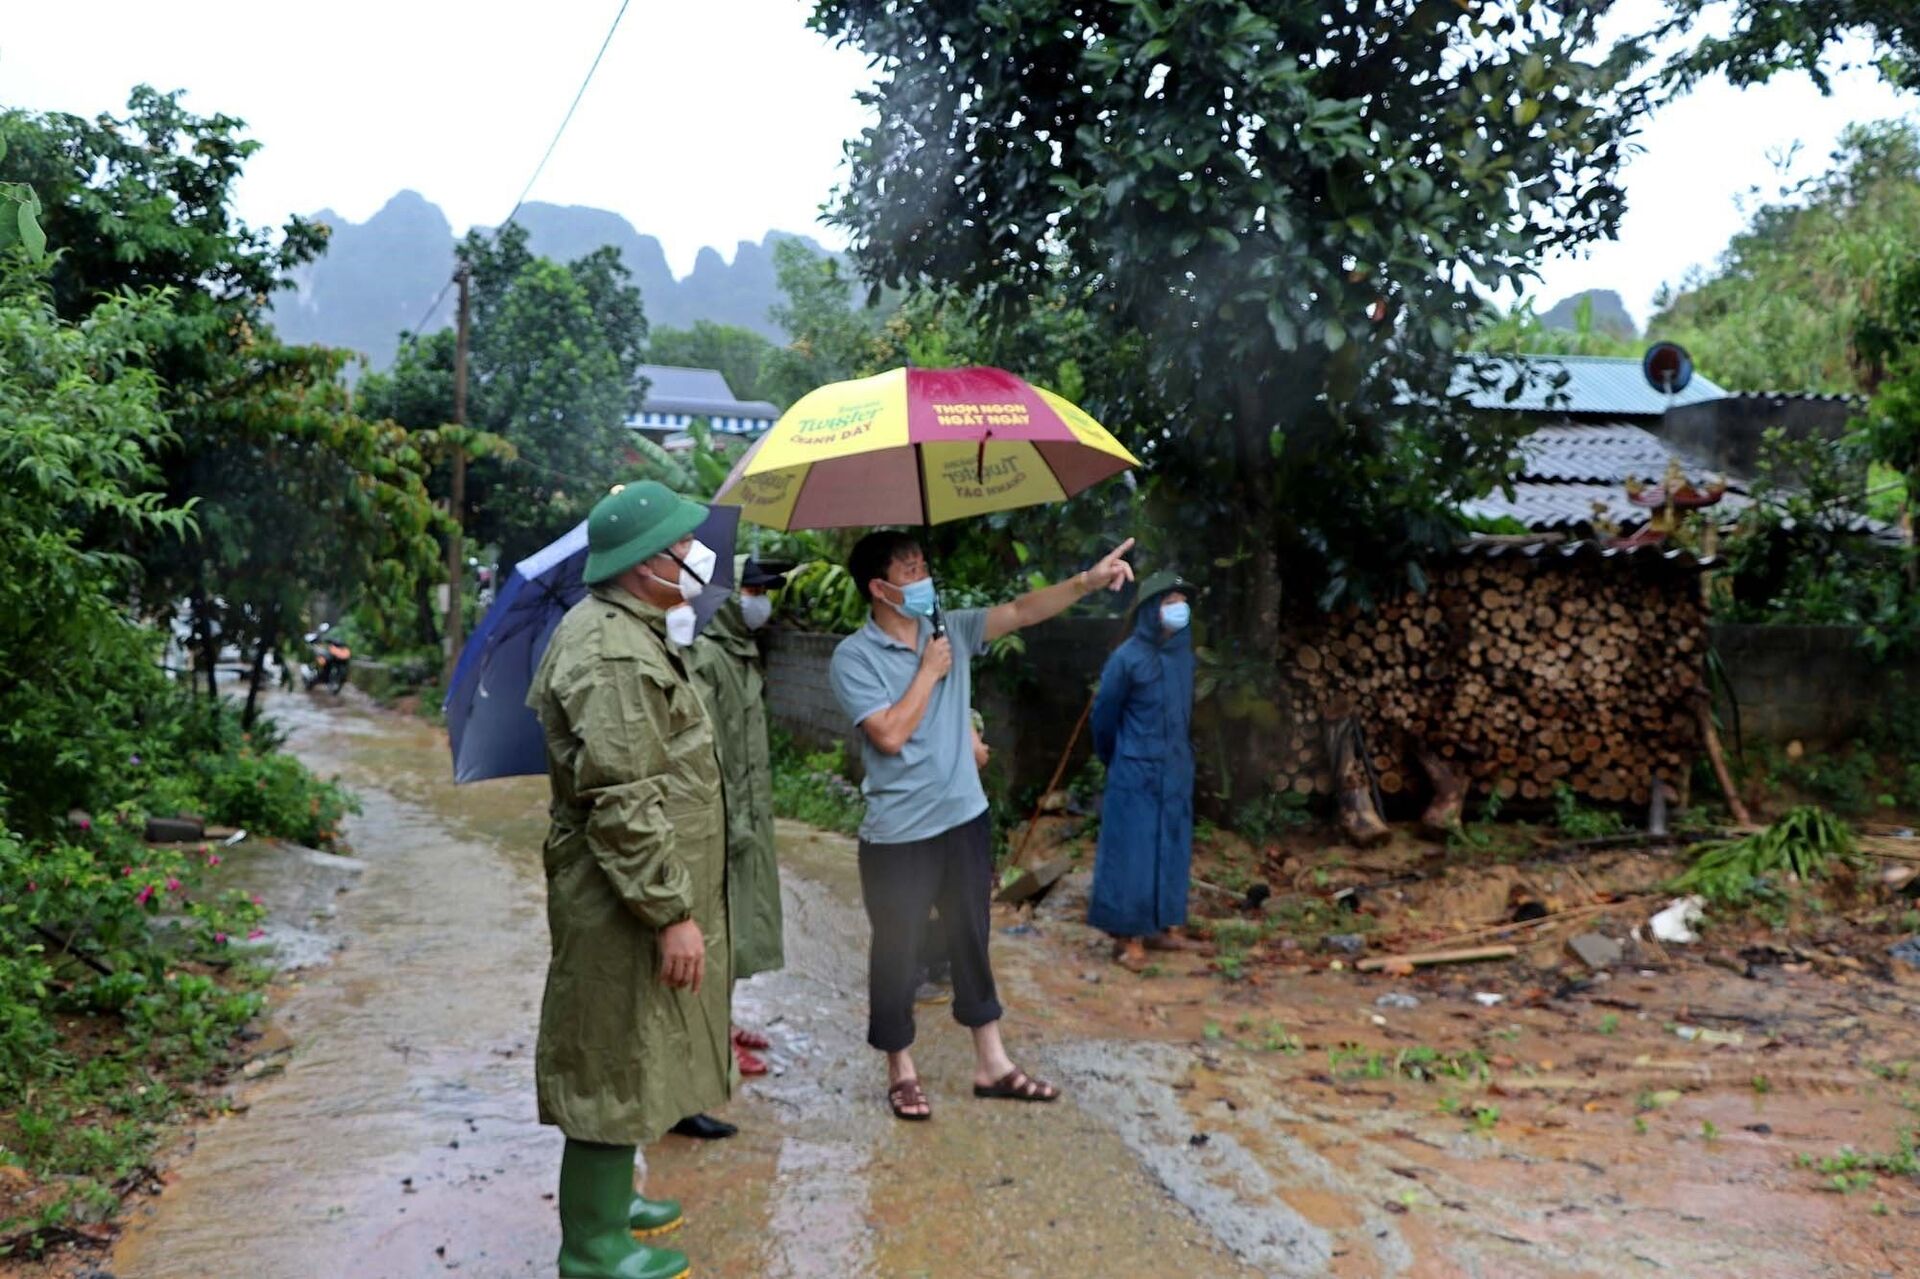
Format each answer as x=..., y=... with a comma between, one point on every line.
x=1698, y=1034
x=1439, y=957
x=175, y=830
x=1344, y=943
x=1675, y=923
x=1030, y=885
x=1596, y=950
x=1397, y=999
x=1488, y=999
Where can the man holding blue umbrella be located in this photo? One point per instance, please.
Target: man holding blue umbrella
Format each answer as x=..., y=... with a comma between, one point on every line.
x=634, y=1021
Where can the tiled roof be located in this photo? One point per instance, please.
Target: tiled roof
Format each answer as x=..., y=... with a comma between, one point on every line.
x=1595, y=384
x=1571, y=468
x=1558, y=546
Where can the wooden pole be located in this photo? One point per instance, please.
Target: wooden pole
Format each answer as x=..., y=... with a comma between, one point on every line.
x=457, y=498
x=1712, y=739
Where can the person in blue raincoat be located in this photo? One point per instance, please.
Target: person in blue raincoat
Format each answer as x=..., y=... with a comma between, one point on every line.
x=1141, y=718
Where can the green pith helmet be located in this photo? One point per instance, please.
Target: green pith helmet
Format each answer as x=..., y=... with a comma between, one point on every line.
x=634, y=523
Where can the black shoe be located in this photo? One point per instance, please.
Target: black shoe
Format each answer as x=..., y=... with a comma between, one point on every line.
x=703, y=1128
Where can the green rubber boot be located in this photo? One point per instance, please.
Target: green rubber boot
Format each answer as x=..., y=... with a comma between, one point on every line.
x=596, y=1200
x=651, y=1218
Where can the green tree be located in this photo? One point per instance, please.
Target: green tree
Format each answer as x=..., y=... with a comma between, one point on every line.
x=738, y=353
x=553, y=373
x=144, y=203
x=1781, y=308
x=1758, y=39
x=830, y=338
x=1520, y=331
x=80, y=427
x=1290, y=206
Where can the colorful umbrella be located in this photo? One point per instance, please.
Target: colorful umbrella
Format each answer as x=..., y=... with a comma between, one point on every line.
x=920, y=446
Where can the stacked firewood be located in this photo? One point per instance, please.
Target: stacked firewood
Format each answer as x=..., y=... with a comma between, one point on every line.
x=1513, y=674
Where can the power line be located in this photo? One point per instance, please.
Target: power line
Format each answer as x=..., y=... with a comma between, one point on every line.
x=568, y=118
x=539, y=168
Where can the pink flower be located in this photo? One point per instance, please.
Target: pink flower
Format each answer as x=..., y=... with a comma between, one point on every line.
x=256, y=934
x=32, y=887
x=219, y=939
x=173, y=885
x=86, y=823
x=144, y=894
x=213, y=859
x=126, y=872
x=255, y=899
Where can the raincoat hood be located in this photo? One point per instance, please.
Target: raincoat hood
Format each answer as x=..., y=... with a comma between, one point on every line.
x=1146, y=610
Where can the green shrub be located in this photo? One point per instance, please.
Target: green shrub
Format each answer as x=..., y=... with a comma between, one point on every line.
x=1808, y=843
x=812, y=786
x=1576, y=821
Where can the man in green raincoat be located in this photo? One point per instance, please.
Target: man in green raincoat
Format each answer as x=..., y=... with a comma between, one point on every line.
x=633, y=1025
x=726, y=662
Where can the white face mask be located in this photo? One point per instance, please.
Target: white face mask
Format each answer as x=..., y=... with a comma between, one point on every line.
x=756, y=609
x=680, y=623
x=696, y=570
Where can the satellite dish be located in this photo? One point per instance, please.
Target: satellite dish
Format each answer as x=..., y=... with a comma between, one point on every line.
x=1668, y=367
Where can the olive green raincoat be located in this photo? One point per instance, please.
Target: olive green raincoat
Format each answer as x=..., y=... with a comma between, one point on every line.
x=726, y=664
x=637, y=842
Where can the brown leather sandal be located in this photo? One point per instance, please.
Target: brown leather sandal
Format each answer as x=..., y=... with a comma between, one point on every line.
x=908, y=1093
x=1017, y=1085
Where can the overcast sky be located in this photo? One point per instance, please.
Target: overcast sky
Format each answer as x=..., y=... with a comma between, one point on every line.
x=708, y=123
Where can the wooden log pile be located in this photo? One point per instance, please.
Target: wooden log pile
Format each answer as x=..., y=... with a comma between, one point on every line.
x=1513, y=674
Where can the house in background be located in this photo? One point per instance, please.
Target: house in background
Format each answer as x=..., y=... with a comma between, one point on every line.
x=1596, y=431
x=676, y=396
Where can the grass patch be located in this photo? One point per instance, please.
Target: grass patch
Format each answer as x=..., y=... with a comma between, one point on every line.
x=812, y=787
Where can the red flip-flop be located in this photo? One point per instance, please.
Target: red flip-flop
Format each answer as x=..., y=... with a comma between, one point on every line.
x=750, y=1039
x=749, y=1064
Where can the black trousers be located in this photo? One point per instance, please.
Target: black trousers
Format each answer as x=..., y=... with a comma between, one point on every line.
x=901, y=884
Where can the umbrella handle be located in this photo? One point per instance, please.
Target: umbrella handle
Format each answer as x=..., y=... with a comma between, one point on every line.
x=939, y=623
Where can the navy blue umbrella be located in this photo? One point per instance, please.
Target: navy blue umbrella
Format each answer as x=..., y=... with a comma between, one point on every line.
x=494, y=734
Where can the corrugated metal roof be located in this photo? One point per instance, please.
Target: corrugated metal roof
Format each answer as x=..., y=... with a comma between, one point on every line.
x=1594, y=384
x=1566, y=507
x=1575, y=473
x=1609, y=452
x=1558, y=547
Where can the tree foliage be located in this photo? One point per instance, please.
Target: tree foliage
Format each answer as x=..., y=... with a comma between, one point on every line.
x=294, y=494
x=1290, y=207
x=738, y=353
x=554, y=357
x=1755, y=40
x=1782, y=307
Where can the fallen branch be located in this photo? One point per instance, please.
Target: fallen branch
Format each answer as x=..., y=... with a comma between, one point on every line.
x=1424, y=958
x=1578, y=912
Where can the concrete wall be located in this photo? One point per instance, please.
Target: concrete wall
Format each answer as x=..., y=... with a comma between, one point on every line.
x=1726, y=433
x=1813, y=684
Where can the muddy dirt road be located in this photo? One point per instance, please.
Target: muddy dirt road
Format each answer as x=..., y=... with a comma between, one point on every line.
x=1288, y=1128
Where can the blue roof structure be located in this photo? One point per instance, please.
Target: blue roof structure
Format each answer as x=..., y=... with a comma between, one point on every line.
x=675, y=396
x=1600, y=385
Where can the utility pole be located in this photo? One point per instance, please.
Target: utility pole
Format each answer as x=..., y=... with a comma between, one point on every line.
x=457, y=501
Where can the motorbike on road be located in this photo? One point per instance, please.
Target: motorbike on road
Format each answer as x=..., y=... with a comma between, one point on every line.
x=327, y=663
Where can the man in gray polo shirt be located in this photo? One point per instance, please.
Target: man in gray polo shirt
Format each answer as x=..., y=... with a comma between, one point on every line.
x=926, y=841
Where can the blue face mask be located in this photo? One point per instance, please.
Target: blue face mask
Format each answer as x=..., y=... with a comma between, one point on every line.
x=918, y=598
x=1176, y=616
